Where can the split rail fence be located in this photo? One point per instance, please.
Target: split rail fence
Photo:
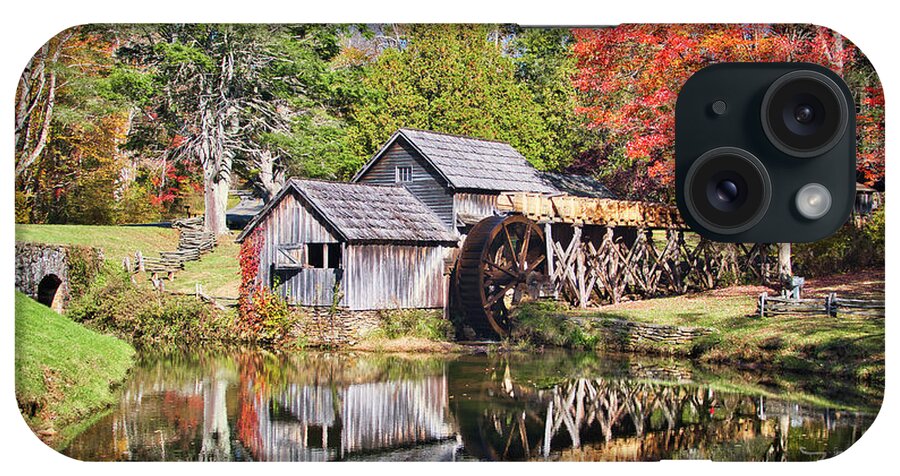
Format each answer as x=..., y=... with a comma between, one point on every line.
x=193, y=242
x=830, y=305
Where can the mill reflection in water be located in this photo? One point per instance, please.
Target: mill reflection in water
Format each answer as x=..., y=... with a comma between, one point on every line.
x=553, y=406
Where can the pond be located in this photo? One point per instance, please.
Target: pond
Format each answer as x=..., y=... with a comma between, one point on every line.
x=253, y=405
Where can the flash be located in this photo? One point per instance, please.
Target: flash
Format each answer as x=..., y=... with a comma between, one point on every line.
x=813, y=201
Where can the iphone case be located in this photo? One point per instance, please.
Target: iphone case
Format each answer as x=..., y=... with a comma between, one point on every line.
x=421, y=243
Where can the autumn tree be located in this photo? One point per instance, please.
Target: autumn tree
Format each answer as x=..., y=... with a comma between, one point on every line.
x=207, y=78
x=628, y=78
x=70, y=125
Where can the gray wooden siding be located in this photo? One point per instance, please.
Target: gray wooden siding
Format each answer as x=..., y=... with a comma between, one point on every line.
x=291, y=223
x=426, y=184
x=475, y=204
x=395, y=276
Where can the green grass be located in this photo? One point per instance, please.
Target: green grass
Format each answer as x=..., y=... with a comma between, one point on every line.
x=116, y=241
x=64, y=371
x=218, y=272
x=851, y=347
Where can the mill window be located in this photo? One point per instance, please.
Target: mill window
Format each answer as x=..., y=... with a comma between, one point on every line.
x=323, y=255
x=403, y=174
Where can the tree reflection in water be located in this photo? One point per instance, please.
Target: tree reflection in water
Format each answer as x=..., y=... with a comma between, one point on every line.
x=319, y=406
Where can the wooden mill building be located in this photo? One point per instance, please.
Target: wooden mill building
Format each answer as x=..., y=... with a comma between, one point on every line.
x=391, y=238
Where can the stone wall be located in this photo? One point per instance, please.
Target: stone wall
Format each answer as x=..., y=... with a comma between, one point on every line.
x=630, y=336
x=327, y=327
x=635, y=336
x=48, y=273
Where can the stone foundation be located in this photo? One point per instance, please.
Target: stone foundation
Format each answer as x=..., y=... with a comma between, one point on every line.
x=629, y=336
x=327, y=327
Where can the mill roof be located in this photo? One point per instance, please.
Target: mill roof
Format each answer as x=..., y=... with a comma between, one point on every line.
x=471, y=163
x=578, y=185
x=364, y=213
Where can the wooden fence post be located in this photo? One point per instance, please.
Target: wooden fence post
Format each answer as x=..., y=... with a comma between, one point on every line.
x=831, y=304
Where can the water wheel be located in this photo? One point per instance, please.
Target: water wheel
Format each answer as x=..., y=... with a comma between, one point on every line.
x=502, y=261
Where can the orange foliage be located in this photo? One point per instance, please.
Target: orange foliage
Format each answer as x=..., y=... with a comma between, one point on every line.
x=628, y=78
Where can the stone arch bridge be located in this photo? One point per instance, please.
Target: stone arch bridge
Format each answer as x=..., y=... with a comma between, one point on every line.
x=48, y=273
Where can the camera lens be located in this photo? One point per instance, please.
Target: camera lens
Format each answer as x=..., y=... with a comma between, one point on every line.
x=727, y=190
x=804, y=113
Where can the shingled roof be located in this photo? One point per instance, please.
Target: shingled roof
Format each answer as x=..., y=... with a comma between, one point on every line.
x=365, y=213
x=470, y=163
x=578, y=185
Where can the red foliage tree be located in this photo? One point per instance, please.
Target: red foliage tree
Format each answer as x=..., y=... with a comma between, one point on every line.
x=628, y=78
x=870, y=133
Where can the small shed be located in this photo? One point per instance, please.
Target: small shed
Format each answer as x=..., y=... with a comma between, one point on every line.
x=353, y=246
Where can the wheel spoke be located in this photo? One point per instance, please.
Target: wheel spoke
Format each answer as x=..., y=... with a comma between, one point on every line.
x=509, y=245
x=496, y=297
x=500, y=268
x=524, y=252
x=497, y=280
x=540, y=259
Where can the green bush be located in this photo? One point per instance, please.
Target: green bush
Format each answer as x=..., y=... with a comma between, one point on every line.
x=544, y=322
x=419, y=323
x=850, y=248
x=84, y=265
x=145, y=316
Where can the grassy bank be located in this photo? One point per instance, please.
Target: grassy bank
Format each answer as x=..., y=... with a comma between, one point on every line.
x=847, y=347
x=219, y=272
x=64, y=372
x=411, y=330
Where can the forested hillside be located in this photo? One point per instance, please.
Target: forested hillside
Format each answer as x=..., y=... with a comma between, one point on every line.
x=138, y=123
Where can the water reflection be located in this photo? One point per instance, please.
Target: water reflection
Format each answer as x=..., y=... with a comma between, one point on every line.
x=555, y=406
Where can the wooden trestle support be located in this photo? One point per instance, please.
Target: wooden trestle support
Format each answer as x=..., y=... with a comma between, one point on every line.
x=583, y=272
x=616, y=249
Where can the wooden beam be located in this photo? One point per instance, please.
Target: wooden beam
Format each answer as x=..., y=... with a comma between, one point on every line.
x=551, y=262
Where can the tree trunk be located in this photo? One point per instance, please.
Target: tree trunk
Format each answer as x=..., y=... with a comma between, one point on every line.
x=271, y=177
x=32, y=104
x=215, y=197
x=784, y=262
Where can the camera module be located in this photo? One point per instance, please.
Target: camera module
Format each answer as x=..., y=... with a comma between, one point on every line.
x=728, y=190
x=804, y=113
